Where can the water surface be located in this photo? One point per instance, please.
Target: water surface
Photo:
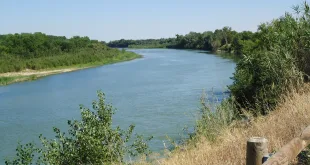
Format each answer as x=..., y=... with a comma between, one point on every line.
x=158, y=93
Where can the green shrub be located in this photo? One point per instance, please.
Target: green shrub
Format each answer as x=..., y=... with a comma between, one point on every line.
x=261, y=79
x=280, y=62
x=93, y=140
x=5, y=80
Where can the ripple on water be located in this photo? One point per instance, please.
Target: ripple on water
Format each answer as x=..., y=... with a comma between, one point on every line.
x=159, y=94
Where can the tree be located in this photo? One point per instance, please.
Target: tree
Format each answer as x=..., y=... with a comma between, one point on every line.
x=226, y=33
x=207, y=40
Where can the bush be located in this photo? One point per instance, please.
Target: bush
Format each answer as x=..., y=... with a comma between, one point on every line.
x=5, y=80
x=261, y=79
x=92, y=140
x=280, y=62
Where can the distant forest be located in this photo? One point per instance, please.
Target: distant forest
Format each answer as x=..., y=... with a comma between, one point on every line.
x=224, y=39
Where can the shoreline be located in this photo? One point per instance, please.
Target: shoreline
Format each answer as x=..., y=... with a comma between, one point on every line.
x=31, y=75
x=222, y=54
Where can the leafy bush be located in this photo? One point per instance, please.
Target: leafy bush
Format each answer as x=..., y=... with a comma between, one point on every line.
x=93, y=140
x=243, y=47
x=4, y=80
x=279, y=63
x=261, y=79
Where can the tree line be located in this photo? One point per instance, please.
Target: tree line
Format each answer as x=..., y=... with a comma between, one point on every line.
x=41, y=51
x=224, y=39
x=143, y=43
x=39, y=44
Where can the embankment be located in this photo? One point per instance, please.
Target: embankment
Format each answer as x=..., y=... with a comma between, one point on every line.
x=279, y=127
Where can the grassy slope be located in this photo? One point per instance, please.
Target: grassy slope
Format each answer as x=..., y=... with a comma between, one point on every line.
x=9, y=78
x=282, y=125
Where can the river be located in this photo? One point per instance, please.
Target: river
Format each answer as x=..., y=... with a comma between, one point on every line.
x=158, y=93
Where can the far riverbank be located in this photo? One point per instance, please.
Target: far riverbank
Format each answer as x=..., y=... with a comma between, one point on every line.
x=30, y=75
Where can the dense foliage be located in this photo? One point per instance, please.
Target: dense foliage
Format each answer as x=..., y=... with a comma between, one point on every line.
x=39, y=51
x=147, y=43
x=93, y=140
x=278, y=63
x=224, y=39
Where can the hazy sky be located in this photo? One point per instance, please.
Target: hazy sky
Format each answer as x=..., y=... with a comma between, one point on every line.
x=135, y=19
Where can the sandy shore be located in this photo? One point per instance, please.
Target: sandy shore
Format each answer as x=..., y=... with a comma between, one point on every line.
x=29, y=75
x=29, y=72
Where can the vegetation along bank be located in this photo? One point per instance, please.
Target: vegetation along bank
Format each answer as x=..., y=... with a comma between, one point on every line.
x=221, y=40
x=28, y=56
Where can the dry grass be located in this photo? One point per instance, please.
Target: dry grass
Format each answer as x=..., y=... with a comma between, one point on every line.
x=283, y=124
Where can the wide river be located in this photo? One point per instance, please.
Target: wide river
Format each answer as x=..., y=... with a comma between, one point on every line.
x=158, y=93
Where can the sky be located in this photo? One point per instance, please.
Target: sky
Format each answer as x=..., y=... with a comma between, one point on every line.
x=107, y=20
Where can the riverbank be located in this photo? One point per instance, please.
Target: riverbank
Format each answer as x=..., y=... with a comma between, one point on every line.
x=222, y=54
x=30, y=75
x=279, y=127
